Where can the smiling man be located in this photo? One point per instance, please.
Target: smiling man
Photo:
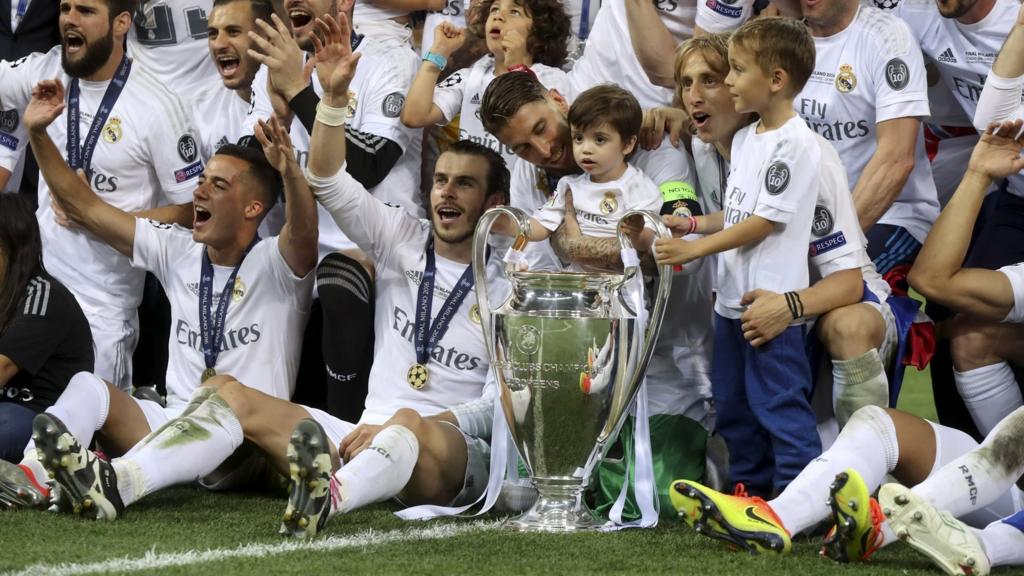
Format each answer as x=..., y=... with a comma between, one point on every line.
x=238, y=302
x=135, y=141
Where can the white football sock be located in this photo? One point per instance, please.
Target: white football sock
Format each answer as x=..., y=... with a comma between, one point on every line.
x=990, y=393
x=82, y=407
x=858, y=382
x=1004, y=544
x=380, y=471
x=182, y=450
x=867, y=444
x=982, y=476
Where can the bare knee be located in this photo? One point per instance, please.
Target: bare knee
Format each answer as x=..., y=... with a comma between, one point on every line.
x=363, y=260
x=408, y=418
x=973, y=343
x=234, y=393
x=850, y=331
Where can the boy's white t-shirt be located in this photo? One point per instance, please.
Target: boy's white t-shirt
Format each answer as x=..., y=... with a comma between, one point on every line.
x=778, y=179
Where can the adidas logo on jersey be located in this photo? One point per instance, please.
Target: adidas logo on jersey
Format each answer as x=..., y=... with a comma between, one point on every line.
x=947, y=56
x=475, y=100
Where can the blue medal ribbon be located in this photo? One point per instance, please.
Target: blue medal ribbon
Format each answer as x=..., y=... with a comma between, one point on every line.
x=80, y=156
x=429, y=334
x=22, y=8
x=211, y=330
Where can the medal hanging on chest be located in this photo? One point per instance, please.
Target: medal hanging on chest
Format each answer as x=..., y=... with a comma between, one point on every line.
x=428, y=334
x=211, y=322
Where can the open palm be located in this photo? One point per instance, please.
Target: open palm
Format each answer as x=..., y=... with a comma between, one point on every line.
x=334, y=60
x=997, y=154
x=46, y=105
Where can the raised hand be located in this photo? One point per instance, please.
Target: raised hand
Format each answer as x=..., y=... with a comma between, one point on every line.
x=447, y=39
x=46, y=105
x=334, y=60
x=277, y=145
x=661, y=121
x=997, y=154
x=280, y=53
x=513, y=43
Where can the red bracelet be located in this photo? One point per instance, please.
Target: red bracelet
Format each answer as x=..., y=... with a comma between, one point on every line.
x=693, y=225
x=523, y=68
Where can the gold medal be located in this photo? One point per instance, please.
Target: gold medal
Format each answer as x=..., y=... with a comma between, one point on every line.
x=417, y=376
x=609, y=204
x=207, y=374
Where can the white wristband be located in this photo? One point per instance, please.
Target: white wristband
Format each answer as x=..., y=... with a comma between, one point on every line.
x=629, y=258
x=329, y=115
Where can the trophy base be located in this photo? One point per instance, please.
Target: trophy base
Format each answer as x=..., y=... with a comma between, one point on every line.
x=556, y=515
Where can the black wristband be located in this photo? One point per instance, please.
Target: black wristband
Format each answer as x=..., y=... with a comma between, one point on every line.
x=304, y=105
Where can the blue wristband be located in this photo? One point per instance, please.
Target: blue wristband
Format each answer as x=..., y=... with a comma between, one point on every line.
x=436, y=60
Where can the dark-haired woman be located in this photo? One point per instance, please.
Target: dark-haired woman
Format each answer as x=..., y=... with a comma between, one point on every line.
x=44, y=336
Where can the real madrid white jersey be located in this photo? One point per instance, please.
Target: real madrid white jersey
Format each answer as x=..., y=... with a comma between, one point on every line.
x=712, y=174
x=376, y=96
x=168, y=38
x=963, y=53
x=868, y=73
x=460, y=94
x=220, y=115
x=397, y=242
x=599, y=207
x=265, y=319
x=609, y=57
x=779, y=180
x=147, y=155
x=1015, y=274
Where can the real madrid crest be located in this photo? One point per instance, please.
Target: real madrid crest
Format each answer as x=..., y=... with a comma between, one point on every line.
x=112, y=131
x=353, y=101
x=608, y=204
x=239, y=292
x=474, y=314
x=846, y=80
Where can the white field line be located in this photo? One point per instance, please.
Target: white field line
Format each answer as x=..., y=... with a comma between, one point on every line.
x=152, y=560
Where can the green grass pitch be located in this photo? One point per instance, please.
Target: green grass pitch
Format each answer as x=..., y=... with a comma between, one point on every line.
x=188, y=531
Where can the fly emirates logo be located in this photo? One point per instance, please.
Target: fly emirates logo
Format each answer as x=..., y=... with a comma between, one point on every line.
x=405, y=325
x=815, y=114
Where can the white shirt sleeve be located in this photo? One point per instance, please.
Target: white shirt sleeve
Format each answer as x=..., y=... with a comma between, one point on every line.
x=786, y=184
x=898, y=74
x=448, y=95
x=174, y=150
x=378, y=112
x=1015, y=273
x=552, y=212
x=1000, y=100
x=157, y=246
x=371, y=224
x=16, y=80
x=723, y=15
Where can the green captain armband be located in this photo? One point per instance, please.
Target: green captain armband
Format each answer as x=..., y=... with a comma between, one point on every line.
x=674, y=190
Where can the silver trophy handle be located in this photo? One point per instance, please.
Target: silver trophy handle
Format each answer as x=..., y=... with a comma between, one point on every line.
x=480, y=236
x=632, y=269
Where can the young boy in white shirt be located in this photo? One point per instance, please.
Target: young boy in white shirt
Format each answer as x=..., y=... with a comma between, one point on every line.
x=762, y=394
x=605, y=123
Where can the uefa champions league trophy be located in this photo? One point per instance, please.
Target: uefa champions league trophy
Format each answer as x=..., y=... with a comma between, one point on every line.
x=568, y=355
